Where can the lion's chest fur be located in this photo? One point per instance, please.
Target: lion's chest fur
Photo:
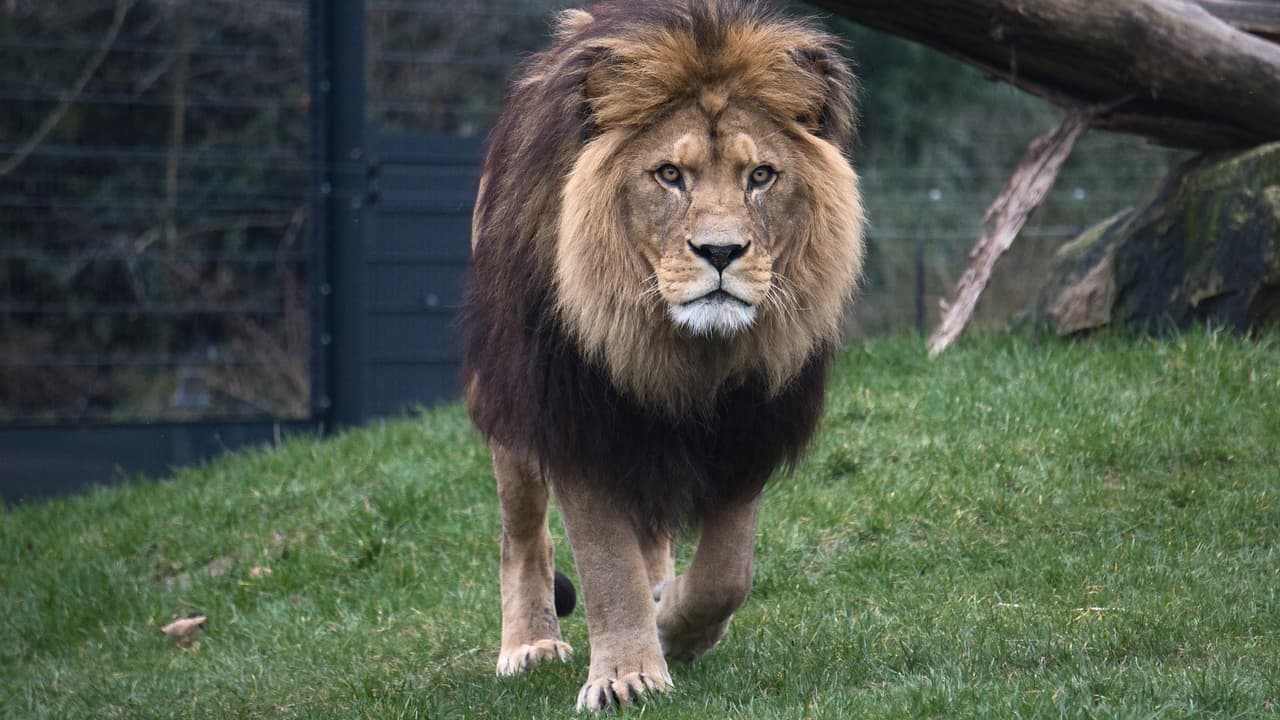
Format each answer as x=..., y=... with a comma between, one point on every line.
x=543, y=398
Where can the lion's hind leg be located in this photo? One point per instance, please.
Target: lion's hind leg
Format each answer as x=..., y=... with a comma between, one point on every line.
x=659, y=559
x=530, y=629
x=695, y=607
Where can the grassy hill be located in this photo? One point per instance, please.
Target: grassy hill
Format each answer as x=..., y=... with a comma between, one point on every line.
x=1019, y=529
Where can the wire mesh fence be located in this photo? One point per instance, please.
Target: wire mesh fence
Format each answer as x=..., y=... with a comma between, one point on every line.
x=154, y=190
x=924, y=225
x=443, y=67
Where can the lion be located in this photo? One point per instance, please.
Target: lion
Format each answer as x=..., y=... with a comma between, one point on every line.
x=666, y=237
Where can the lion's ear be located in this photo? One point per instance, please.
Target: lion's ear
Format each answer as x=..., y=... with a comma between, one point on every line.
x=832, y=117
x=582, y=64
x=572, y=22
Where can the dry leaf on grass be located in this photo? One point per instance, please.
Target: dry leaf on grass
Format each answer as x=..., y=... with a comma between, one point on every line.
x=185, y=631
x=220, y=566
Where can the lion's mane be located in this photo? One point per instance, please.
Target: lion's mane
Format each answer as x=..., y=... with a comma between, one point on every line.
x=673, y=426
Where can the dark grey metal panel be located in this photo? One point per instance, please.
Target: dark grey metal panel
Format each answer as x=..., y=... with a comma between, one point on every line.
x=422, y=336
x=429, y=149
x=450, y=234
x=40, y=462
x=429, y=187
x=419, y=243
x=396, y=388
x=417, y=286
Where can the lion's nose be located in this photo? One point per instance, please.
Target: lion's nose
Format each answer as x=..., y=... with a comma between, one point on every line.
x=719, y=255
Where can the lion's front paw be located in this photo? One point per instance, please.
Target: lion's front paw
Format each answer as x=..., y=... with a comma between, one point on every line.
x=523, y=657
x=622, y=690
x=681, y=637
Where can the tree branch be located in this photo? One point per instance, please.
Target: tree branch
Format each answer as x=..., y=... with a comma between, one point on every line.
x=1024, y=192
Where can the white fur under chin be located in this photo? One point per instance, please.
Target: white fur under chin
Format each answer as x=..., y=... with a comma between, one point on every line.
x=713, y=316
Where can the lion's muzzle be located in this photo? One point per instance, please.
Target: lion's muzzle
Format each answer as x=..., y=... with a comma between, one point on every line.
x=719, y=272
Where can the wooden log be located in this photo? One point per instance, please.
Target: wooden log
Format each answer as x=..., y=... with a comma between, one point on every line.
x=1186, y=77
x=1256, y=17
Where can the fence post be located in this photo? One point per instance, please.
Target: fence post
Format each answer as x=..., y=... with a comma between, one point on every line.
x=338, y=153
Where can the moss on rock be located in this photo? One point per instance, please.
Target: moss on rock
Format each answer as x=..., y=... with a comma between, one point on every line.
x=1206, y=248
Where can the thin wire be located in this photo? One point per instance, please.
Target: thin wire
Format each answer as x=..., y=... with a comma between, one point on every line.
x=244, y=102
x=285, y=6
x=1027, y=232
x=1102, y=172
x=164, y=415
x=230, y=156
x=117, y=206
x=244, y=258
x=453, y=9
x=195, y=198
x=144, y=48
x=24, y=308
x=425, y=108
x=194, y=360
x=435, y=58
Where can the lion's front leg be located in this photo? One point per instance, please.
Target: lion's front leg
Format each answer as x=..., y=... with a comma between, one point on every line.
x=626, y=660
x=530, y=629
x=694, y=609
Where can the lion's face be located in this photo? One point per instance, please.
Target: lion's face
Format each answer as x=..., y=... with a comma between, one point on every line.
x=709, y=226
x=702, y=198
x=713, y=242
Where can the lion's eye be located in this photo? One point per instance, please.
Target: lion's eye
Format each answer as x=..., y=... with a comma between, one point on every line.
x=669, y=175
x=760, y=177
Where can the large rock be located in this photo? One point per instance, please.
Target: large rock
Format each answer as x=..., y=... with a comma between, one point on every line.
x=1206, y=248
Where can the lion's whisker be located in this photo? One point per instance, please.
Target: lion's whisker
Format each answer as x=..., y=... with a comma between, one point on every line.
x=782, y=298
x=651, y=289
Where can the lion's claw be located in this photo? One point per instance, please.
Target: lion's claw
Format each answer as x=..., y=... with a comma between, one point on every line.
x=526, y=656
x=621, y=691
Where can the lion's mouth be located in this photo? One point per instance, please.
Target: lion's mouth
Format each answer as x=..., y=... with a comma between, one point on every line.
x=719, y=296
x=719, y=312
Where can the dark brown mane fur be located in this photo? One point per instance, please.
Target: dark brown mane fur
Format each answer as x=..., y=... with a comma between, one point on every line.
x=529, y=386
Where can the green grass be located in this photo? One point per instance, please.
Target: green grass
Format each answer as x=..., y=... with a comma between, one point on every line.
x=1018, y=529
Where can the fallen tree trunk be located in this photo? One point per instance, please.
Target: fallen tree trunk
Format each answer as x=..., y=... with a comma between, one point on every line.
x=1257, y=17
x=1177, y=71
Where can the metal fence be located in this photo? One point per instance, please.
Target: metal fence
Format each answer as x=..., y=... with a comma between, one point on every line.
x=154, y=209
